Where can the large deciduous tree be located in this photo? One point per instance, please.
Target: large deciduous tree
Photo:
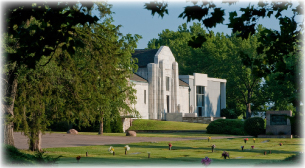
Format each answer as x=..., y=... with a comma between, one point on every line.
x=35, y=30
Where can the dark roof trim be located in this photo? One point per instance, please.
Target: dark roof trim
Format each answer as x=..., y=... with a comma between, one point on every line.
x=145, y=56
x=182, y=83
x=137, y=78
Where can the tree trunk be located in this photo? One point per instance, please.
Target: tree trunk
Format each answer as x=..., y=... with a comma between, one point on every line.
x=100, y=132
x=10, y=95
x=248, y=110
x=35, y=141
x=8, y=136
x=248, y=114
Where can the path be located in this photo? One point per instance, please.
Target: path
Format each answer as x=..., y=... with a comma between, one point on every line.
x=67, y=140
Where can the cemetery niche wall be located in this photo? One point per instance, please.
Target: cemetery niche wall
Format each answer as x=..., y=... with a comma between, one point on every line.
x=277, y=122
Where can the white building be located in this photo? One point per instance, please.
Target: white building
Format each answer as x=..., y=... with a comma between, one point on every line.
x=161, y=91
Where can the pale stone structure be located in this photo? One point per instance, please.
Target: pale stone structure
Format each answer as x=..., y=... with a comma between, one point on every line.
x=161, y=90
x=278, y=123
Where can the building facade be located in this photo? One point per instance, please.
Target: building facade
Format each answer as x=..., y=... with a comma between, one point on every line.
x=161, y=90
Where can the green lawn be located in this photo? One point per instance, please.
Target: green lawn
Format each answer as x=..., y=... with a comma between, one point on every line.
x=183, y=153
x=141, y=124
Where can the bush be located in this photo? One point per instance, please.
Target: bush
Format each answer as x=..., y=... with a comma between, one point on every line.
x=62, y=126
x=14, y=156
x=226, y=126
x=228, y=113
x=117, y=125
x=254, y=126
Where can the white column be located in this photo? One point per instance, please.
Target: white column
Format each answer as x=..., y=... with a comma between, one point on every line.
x=223, y=95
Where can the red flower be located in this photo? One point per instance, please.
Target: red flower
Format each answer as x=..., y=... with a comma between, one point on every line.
x=170, y=145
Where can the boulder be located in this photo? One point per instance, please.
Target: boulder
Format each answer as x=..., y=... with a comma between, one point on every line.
x=72, y=131
x=131, y=133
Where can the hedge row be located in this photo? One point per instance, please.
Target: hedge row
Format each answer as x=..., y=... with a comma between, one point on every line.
x=226, y=126
x=114, y=126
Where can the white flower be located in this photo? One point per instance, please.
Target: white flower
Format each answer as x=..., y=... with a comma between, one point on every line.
x=111, y=149
x=127, y=148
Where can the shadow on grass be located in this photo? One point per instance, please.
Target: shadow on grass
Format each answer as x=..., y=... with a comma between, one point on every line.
x=163, y=161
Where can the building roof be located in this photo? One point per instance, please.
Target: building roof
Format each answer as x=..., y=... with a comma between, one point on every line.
x=182, y=83
x=138, y=78
x=144, y=56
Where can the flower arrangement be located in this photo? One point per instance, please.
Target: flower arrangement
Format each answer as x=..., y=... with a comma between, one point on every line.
x=127, y=148
x=225, y=154
x=78, y=158
x=242, y=147
x=252, y=147
x=254, y=140
x=245, y=140
x=280, y=144
x=169, y=146
x=111, y=149
x=206, y=161
x=209, y=138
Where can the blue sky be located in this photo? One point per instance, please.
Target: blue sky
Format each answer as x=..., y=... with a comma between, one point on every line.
x=137, y=20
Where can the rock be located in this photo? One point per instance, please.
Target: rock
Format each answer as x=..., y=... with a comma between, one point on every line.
x=131, y=133
x=72, y=131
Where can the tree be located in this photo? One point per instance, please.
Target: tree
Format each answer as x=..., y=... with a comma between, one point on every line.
x=278, y=45
x=49, y=26
x=90, y=83
x=108, y=73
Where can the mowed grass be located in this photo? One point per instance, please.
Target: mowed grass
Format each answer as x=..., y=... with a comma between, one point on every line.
x=183, y=153
x=142, y=124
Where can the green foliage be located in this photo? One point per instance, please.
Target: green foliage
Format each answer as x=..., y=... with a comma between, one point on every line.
x=228, y=113
x=14, y=157
x=61, y=126
x=226, y=126
x=254, y=126
x=117, y=125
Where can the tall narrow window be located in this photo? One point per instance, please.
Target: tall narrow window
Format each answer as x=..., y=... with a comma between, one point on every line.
x=144, y=96
x=167, y=83
x=200, y=95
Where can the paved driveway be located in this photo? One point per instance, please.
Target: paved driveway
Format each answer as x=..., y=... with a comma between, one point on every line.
x=67, y=140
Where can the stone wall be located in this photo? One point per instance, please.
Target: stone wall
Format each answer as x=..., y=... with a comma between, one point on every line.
x=275, y=127
x=127, y=122
x=140, y=105
x=174, y=117
x=183, y=99
x=204, y=120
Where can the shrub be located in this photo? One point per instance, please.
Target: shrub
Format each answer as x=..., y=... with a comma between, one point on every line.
x=228, y=113
x=61, y=126
x=254, y=126
x=14, y=156
x=117, y=125
x=226, y=126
